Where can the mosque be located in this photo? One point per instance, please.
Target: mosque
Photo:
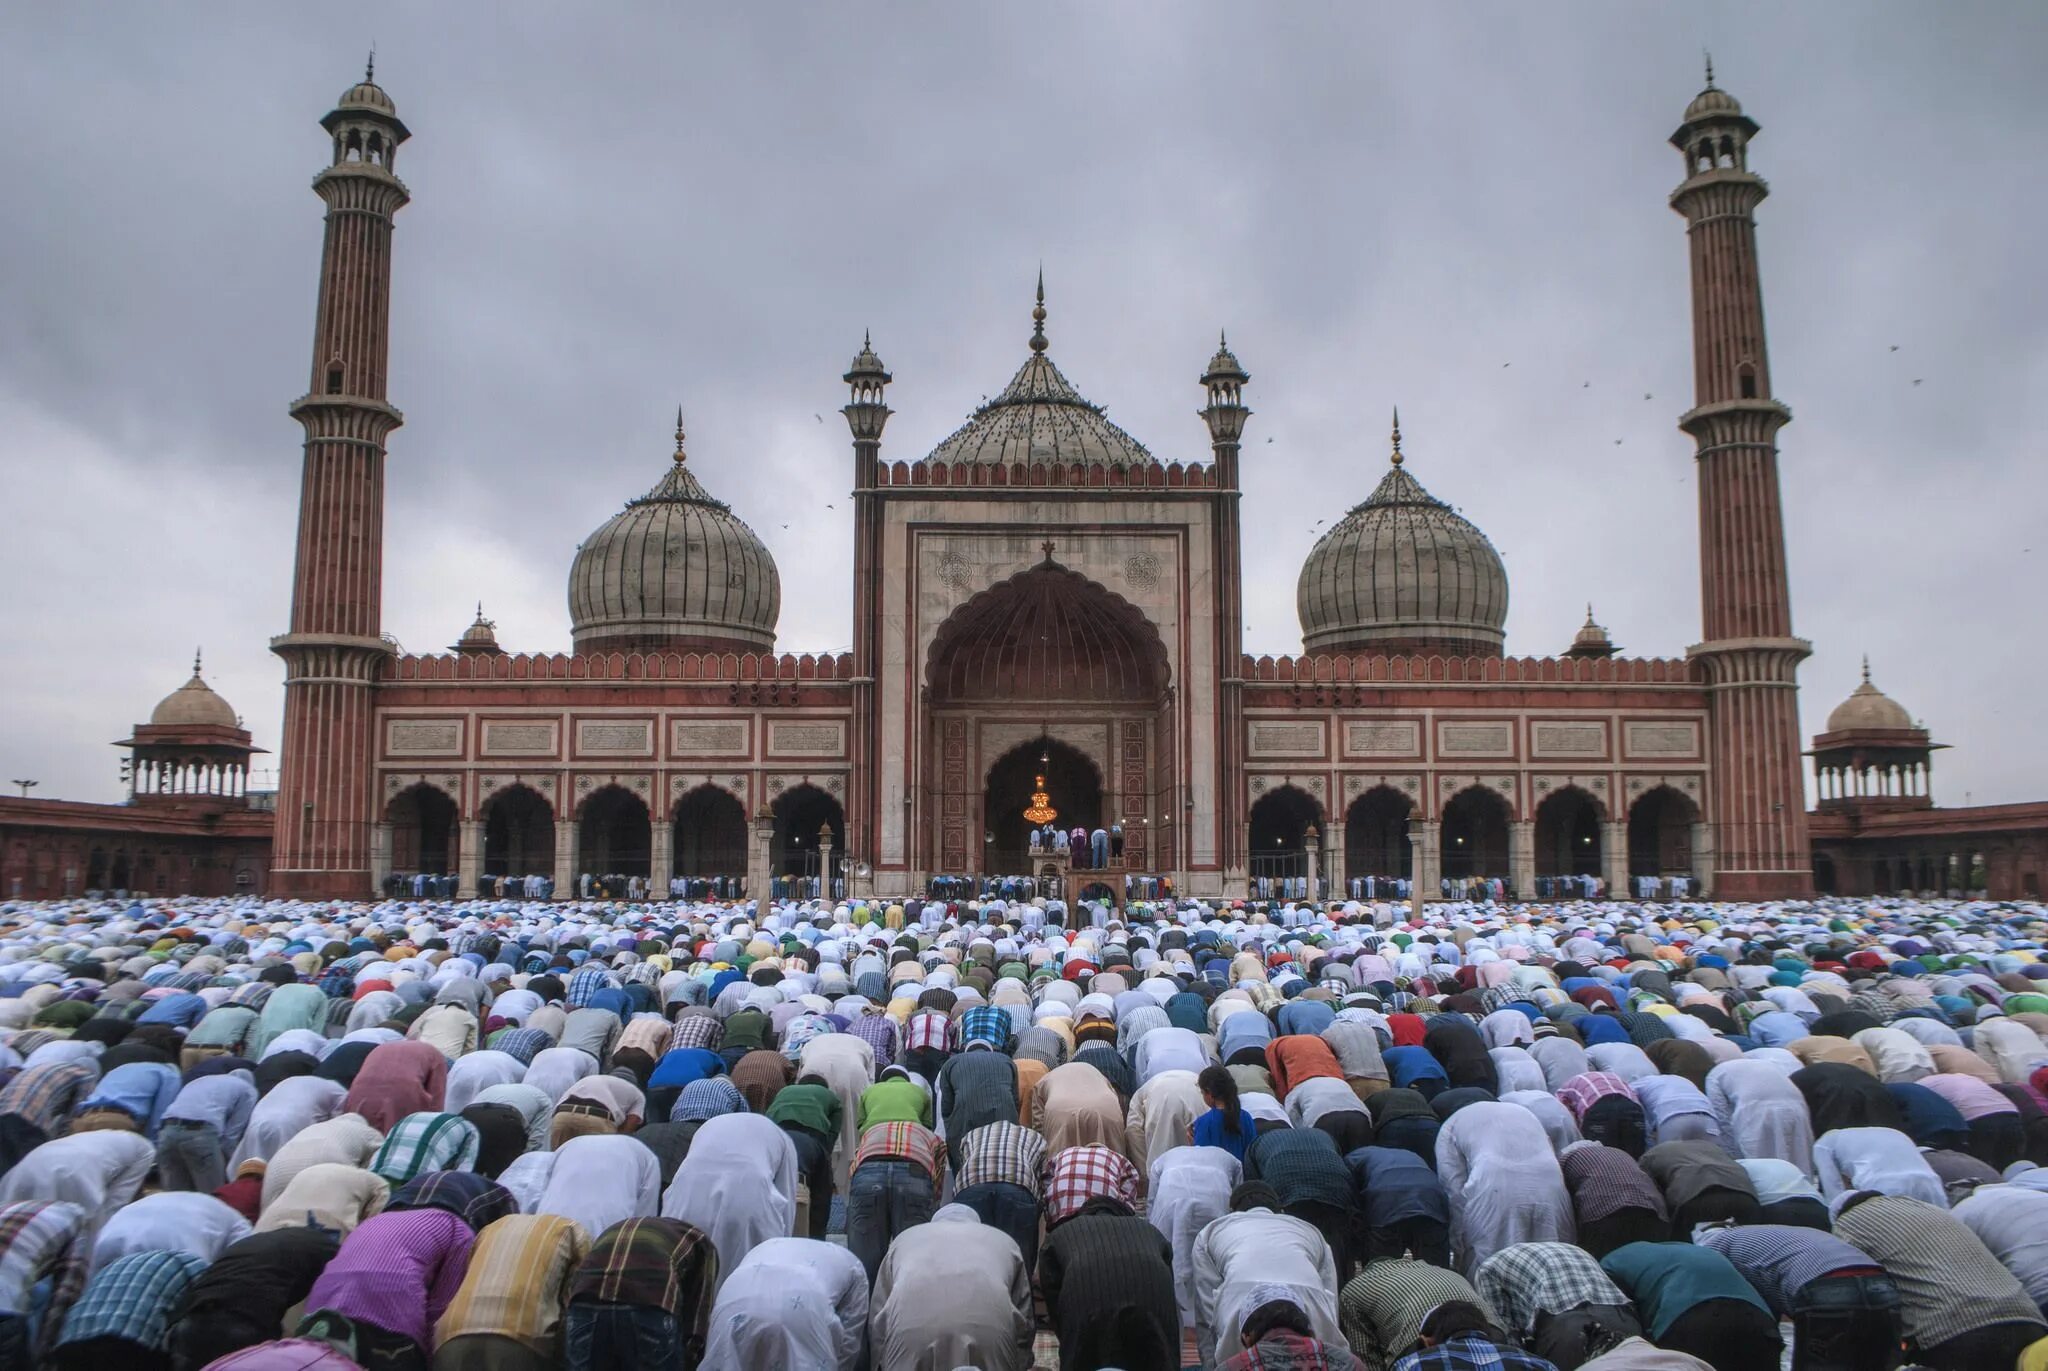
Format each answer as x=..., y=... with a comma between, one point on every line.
x=1046, y=615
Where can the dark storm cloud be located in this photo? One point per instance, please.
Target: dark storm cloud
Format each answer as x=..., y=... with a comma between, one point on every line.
x=622, y=207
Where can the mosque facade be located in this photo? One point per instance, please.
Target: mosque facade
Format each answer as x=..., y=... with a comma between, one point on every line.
x=1043, y=607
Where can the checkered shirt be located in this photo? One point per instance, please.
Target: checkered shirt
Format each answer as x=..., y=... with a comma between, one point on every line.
x=928, y=1028
x=46, y=1093
x=1582, y=1092
x=697, y=1030
x=1471, y=1352
x=1077, y=1175
x=1534, y=1278
x=903, y=1142
x=878, y=1031
x=984, y=1023
x=423, y=1142
x=1001, y=1153
x=132, y=1298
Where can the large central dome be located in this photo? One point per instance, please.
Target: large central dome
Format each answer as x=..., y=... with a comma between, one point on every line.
x=675, y=570
x=1403, y=572
x=1040, y=419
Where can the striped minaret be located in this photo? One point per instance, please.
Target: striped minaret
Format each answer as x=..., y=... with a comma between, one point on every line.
x=335, y=648
x=1757, y=800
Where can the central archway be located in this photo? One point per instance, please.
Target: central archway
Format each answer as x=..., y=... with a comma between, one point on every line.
x=1376, y=834
x=1475, y=834
x=519, y=833
x=1073, y=783
x=423, y=836
x=616, y=837
x=1568, y=834
x=1279, y=823
x=710, y=835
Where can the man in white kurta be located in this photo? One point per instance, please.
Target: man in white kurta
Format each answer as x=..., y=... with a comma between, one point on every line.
x=794, y=1304
x=983, y=1319
x=1503, y=1181
x=738, y=1184
x=1761, y=1113
x=1190, y=1189
x=1880, y=1159
x=601, y=1179
x=1252, y=1251
x=847, y=1065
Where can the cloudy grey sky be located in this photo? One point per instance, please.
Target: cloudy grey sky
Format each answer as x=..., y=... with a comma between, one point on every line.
x=1458, y=208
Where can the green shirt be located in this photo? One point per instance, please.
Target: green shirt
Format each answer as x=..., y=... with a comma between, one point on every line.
x=894, y=1101
x=808, y=1106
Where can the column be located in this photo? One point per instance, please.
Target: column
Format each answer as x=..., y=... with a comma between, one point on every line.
x=1522, y=858
x=380, y=856
x=825, y=862
x=661, y=862
x=1614, y=858
x=1333, y=868
x=1703, y=858
x=470, y=862
x=1424, y=835
x=759, y=835
x=1314, y=844
x=565, y=859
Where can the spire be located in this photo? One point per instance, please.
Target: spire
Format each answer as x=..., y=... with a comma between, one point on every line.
x=1038, y=316
x=680, y=456
x=1589, y=614
x=1866, y=669
x=1397, y=436
x=1710, y=67
x=195, y=665
x=370, y=67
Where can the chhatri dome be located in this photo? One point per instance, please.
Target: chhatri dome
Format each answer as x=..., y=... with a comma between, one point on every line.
x=1868, y=709
x=1403, y=572
x=675, y=570
x=194, y=704
x=1041, y=419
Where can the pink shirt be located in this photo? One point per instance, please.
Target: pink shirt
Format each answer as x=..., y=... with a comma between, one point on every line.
x=398, y=1271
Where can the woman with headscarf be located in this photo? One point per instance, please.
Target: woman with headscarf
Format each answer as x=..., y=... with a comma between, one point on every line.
x=738, y=1185
x=398, y=1079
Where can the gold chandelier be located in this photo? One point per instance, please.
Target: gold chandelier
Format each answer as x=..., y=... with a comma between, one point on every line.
x=1040, y=810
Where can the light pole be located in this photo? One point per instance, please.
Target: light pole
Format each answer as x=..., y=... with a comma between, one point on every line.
x=26, y=786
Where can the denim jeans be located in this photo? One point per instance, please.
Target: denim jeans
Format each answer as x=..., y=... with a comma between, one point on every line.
x=1009, y=1208
x=882, y=1199
x=597, y=1336
x=1846, y=1323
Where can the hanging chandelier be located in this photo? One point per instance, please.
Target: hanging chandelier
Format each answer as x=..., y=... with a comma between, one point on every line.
x=1040, y=810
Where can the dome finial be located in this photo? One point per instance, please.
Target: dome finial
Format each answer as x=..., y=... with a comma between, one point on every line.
x=680, y=456
x=1397, y=435
x=195, y=664
x=1866, y=668
x=1710, y=67
x=1038, y=315
x=1589, y=614
x=370, y=67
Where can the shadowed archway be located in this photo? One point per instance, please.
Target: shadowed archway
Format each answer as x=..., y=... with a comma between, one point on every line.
x=1073, y=784
x=1475, y=834
x=616, y=836
x=1660, y=833
x=519, y=833
x=1376, y=834
x=422, y=820
x=1568, y=834
x=710, y=835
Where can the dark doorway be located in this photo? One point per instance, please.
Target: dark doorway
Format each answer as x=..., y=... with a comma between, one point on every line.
x=1280, y=821
x=711, y=834
x=1073, y=789
x=1660, y=833
x=616, y=838
x=1475, y=835
x=1376, y=834
x=1568, y=834
x=519, y=834
x=422, y=830
x=799, y=814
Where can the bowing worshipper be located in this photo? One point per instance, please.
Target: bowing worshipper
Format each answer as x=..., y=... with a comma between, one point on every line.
x=99, y=1172
x=131, y=1097
x=1693, y=1300
x=389, y=1284
x=43, y=1256
x=1169, y=1048
x=508, y=1313
x=738, y=1186
x=331, y=1197
x=1225, y=1124
x=450, y=1029
x=1279, y=1335
x=599, y=1180
x=1842, y=1096
x=1075, y=1106
x=284, y=1112
x=1880, y=1159
x=123, y=1318
x=535, y=1110
x=645, y=1284
x=200, y=1126
x=43, y=1095
x=809, y=1113
x=1328, y=1105
x=1675, y=1110
x=1786, y=1194
x=793, y=1303
x=1561, y=1059
x=474, y=1072
x=1683, y=1058
x=1001, y=1172
x=1357, y=1045
x=346, y=1139
x=1458, y=1335
x=1400, y=1206
x=976, y=1086
x=501, y=1136
x=1558, y=1124
x=1456, y=1042
x=1638, y=1354
x=1188, y=1188
x=1162, y=1115
x=984, y=1321
x=1555, y=1298
x=1403, y=1119
x=1310, y=1182
x=286, y=1009
x=2012, y=1223
x=1297, y=1057
x=1382, y=1308
x=1701, y=1183
x=596, y=1105
x=556, y=1069
x=1614, y=1202
x=1960, y=1308
x=2011, y=1049
x=398, y=1079
x=1993, y=1132
x=1107, y=1278
x=1761, y=1113
x=1503, y=1181
x=1843, y=1309
x=899, y=1096
x=1414, y=1068
x=1239, y=1260
x=1606, y=1110
x=243, y=1297
x=419, y=1143
x=169, y=1221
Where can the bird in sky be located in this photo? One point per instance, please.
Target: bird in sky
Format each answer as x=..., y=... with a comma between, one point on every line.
x=1916, y=380
x=1617, y=442
x=1585, y=385
x=1648, y=396
x=1269, y=440
x=1895, y=347
x=1507, y=364
x=819, y=417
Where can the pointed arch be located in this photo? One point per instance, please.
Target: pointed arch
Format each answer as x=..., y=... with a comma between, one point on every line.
x=425, y=834
x=519, y=832
x=1376, y=833
x=615, y=833
x=1660, y=823
x=1475, y=834
x=1568, y=833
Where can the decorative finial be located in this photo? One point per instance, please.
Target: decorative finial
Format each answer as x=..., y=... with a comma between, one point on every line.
x=195, y=664
x=680, y=458
x=1038, y=316
x=1222, y=340
x=1397, y=435
x=1589, y=614
x=370, y=67
x=479, y=611
x=1710, y=67
x=1866, y=668
x=1046, y=547
x=867, y=340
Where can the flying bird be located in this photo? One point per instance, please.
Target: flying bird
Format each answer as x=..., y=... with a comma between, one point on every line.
x=1647, y=395
x=1916, y=380
x=1585, y=385
x=1507, y=364
x=1895, y=347
x=1269, y=440
x=1617, y=442
x=819, y=417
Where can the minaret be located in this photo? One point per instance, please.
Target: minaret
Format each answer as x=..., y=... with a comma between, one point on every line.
x=1757, y=801
x=867, y=412
x=335, y=648
x=1223, y=383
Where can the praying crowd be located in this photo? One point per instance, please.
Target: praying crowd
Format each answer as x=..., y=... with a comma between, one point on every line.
x=1004, y=1134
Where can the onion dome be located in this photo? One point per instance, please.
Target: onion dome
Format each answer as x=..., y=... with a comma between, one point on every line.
x=480, y=638
x=1403, y=572
x=1591, y=640
x=1711, y=103
x=1868, y=709
x=675, y=570
x=1041, y=419
x=194, y=704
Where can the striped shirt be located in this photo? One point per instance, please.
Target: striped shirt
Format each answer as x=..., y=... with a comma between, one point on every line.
x=928, y=1028
x=1001, y=1154
x=1782, y=1261
x=1382, y=1309
x=518, y=1281
x=902, y=1142
x=419, y=1143
x=1949, y=1283
x=35, y=1236
x=398, y=1272
x=45, y=1094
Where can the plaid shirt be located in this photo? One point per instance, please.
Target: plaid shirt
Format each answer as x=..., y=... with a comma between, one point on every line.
x=1001, y=1153
x=516, y=1279
x=1285, y=1350
x=44, y=1094
x=477, y=1200
x=132, y=1298
x=903, y=1142
x=1582, y=1092
x=697, y=1030
x=878, y=1031
x=419, y=1143
x=928, y=1028
x=1534, y=1278
x=663, y=1264
x=1470, y=1352
x=984, y=1024
x=1077, y=1175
